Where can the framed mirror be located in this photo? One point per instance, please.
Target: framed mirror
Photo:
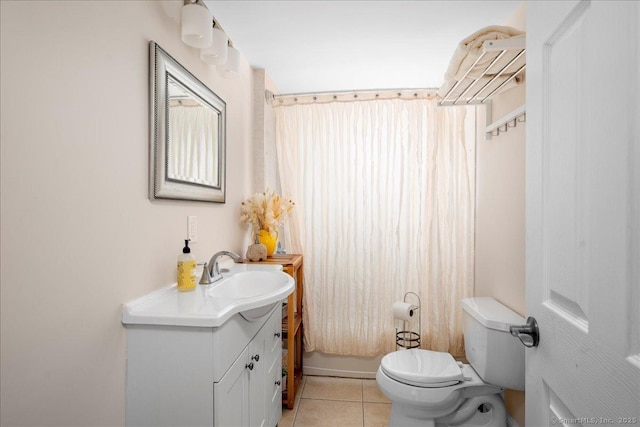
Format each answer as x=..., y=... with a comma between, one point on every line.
x=188, y=134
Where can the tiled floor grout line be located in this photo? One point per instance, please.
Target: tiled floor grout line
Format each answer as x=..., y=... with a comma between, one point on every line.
x=326, y=399
x=362, y=399
x=297, y=407
x=296, y=417
x=304, y=385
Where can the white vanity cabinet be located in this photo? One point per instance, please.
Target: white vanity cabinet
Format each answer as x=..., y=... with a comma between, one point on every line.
x=249, y=392
x=198, y=376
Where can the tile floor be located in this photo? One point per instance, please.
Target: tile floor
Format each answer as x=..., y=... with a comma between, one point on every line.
x=344, y=402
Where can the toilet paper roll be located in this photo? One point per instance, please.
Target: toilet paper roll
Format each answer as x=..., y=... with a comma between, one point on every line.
x=403, y=310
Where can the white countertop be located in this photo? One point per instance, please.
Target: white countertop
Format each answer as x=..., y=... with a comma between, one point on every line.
x=198, y=308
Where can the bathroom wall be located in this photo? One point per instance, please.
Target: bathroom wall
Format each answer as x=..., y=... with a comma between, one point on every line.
x=500, y=211
x=79, y=235
x=500, y=202
x=264, y=133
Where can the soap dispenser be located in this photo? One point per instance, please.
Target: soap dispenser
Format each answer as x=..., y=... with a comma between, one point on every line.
x=186, y=269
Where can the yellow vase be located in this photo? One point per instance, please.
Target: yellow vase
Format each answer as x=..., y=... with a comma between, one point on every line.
x=269, y=240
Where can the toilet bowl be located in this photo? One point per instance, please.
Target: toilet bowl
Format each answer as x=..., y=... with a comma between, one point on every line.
x=430, y=388
x=427, y=403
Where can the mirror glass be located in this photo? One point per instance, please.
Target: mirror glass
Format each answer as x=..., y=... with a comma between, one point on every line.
x=188, y=141
x=193, y=138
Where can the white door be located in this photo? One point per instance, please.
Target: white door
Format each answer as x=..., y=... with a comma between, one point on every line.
x=583, y=212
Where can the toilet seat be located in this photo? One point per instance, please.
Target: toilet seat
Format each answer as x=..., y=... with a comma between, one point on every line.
x=422, y=368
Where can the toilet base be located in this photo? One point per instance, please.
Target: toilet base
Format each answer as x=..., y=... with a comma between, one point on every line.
x=478, y=411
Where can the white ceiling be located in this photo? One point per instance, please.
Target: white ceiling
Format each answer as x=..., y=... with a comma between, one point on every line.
x=318, y=46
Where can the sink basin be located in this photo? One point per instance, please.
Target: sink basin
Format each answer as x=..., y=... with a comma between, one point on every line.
x=254, y=293
x=250, y=284
x=250, y=290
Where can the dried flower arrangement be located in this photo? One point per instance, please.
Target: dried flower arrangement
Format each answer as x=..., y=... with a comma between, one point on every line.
x=265, y=211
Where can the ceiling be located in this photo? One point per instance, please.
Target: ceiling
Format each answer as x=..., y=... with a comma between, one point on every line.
x=320, y=46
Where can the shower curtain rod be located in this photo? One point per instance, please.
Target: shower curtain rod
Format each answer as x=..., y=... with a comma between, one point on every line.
x=347, y=96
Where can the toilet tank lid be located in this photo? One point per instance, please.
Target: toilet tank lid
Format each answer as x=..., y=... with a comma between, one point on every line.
x=491, y=314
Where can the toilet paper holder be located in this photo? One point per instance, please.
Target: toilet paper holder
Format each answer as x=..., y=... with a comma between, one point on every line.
x=406, y=338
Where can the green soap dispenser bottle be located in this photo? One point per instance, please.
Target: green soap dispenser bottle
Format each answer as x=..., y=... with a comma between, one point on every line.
x=186, y=269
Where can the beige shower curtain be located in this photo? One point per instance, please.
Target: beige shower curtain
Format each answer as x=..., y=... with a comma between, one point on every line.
x=384, y=194
x=193, y=129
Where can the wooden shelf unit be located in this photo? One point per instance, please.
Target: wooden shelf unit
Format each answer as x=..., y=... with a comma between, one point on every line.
x=292, y=265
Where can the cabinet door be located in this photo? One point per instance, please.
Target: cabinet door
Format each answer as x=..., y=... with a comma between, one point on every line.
x=273, y=390
x=273, y=365
x=231, y=395
x=273, y=336
x=257, y=398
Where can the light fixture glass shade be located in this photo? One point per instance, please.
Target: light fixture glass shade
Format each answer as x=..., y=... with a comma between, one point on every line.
x=196, y=25
x=231, y=68
x=217, y=52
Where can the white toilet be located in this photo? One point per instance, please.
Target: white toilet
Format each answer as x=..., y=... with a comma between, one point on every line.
x=429, y=388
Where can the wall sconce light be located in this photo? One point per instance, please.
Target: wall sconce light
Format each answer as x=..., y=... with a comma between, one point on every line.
x=217, y=52
x=231, y=68
x=196, y=24
x=201, y=31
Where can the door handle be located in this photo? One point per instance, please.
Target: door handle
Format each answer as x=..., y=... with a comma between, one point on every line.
x=529, y=334
x=249, y=366
x=256, y=357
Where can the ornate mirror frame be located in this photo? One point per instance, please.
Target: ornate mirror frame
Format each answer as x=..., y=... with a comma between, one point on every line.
x=162, y=185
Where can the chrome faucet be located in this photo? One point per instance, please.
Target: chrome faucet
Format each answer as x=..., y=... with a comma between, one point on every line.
x=211, y=271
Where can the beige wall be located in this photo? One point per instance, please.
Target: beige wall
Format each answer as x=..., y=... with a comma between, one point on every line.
x=500, y=205
x=79, y=235
x=500, y=208
x=500, y=212
x=265, y=174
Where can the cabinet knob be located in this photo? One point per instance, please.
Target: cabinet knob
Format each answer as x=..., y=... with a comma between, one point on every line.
x=249, y=366
x=277, y=335
x=278, y=383
x=256, y=357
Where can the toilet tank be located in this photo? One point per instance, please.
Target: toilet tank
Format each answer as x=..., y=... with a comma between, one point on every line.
x=496, y=355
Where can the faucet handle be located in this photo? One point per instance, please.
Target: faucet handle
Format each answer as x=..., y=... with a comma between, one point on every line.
x=205, y=279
